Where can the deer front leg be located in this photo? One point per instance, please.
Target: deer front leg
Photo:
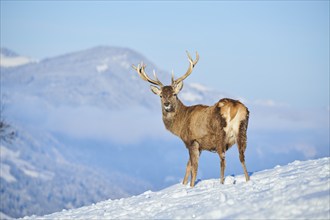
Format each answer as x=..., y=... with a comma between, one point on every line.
x=194, y=157
x=223, y=166
x=188, y=171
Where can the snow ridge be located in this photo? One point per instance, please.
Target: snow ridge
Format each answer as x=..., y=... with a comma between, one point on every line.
x=297, y=190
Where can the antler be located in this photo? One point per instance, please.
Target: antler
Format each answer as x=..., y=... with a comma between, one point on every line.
x=140, y=70
x=189, y=71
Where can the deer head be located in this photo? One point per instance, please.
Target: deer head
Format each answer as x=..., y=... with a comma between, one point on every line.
x=168, y=94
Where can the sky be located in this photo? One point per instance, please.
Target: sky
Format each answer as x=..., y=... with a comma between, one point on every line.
x=272, y=50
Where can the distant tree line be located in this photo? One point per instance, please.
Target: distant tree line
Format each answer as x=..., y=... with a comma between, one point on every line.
x=7, y=133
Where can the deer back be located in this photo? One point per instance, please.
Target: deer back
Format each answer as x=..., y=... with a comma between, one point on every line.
x=209, y=125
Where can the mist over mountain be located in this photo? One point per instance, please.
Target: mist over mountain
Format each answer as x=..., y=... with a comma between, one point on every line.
x=9, y=58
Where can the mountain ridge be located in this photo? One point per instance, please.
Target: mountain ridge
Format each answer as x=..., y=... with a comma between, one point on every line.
x=91, y=76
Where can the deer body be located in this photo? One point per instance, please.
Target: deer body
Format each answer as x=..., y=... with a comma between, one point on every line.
x=213, y=128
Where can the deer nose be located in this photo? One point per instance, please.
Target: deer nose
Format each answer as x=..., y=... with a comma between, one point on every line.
x=166, y=104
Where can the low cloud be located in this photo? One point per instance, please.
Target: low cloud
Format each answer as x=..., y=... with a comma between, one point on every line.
x=308, y=150
x=126, y=126
x=305, y=131
x=89, y=122
x=283, y=117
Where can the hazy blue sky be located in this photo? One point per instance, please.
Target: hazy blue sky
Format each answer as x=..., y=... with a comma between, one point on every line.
x=275, y=50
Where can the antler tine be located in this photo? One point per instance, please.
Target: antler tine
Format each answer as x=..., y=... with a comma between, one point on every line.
x=157, y=80
x=140, y=69
x=192, y=64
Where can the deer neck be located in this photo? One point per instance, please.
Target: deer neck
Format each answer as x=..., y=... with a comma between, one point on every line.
x=174, y=121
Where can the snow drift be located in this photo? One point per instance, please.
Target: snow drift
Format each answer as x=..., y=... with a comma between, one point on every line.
x=297, y=190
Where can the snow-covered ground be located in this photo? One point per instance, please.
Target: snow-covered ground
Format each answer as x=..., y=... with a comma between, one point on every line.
x=300, y=189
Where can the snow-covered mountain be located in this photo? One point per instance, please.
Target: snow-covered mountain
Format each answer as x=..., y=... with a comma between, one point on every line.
x=101, y=76
x=38, y=175
x=299, y=190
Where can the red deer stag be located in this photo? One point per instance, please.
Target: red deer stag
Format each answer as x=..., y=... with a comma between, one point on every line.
x=213, y=128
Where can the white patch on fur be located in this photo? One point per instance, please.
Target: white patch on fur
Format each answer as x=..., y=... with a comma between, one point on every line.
x=167, y=107
x=232, y=128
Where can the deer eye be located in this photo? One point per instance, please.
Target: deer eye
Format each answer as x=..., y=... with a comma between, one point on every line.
x=174, y=95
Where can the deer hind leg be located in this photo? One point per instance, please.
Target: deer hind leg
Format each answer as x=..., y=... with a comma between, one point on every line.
x=241, y=143
x=194, y=157
x=188, y=172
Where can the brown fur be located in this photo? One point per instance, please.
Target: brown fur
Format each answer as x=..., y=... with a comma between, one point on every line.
x=213, y=128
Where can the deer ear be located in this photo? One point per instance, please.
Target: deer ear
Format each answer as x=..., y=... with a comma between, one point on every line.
x=177, y=87
x=155, y=90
